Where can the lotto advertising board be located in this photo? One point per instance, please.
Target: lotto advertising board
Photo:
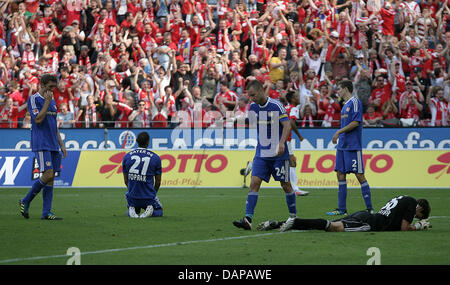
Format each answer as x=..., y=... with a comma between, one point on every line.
x=398, y=169
x=211, y=168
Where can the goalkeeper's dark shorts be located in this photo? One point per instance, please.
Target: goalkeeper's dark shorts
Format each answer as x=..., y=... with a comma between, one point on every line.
x=361, y=221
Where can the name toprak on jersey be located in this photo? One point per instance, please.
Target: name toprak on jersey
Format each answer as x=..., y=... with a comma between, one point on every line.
x=137, y=177
x=134, y=173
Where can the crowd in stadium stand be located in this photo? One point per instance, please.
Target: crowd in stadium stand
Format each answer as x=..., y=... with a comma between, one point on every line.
x=166, y=63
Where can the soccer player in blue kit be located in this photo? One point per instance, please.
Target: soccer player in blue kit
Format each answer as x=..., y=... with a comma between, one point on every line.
x=349, y=157
x=142, y=176
x=272, y=156
x=46, y=143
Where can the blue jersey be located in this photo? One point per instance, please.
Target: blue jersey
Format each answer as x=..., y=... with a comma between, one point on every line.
x=45, y=135
x=268, y=120
x=351, y=111
x=141, y=166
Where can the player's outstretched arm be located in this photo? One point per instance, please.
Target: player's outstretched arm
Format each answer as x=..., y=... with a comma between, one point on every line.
x=423, y=224
x=406, y=226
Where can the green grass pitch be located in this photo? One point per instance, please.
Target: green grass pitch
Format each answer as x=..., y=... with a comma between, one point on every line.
x=197, y=230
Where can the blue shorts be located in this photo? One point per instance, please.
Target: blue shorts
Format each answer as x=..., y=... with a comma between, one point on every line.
x=48, y=160
x=264, y=168
x=349, y=161
x=139, y=204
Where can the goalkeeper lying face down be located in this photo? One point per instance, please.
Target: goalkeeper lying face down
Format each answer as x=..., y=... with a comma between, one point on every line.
x=397, y=215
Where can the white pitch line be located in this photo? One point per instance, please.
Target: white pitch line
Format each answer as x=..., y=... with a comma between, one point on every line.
x=141, y=247
x=159, y=245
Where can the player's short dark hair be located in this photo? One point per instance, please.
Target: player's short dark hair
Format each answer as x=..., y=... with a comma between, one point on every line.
x=346, y=84
x=256, y=84
x=47, y=78
x=143, y=139
x=290, y=95
x=426, y=209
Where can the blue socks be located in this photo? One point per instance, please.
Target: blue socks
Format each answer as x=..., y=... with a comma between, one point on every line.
x=365, y=191
x=291, y=204
x=342, y=195
x=35, y=189
x=252, y=199
x=47, y=196
x=250, y=205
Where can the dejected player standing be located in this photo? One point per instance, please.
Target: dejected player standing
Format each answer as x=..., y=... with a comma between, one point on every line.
x=272, y=156
x=46, y=143
x=142, y=175
x=349, y=158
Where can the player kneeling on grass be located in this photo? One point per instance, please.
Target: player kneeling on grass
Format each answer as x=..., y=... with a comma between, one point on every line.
x=142, y=175
x=396, y=215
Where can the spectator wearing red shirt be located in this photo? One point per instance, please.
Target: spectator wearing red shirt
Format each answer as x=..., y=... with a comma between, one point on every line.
x=187, y=9
x=397, y=79
x=112, y=12
x=241, y=111
x=410, y=106
x=133, y=7
x=61, y=94
x=73, y=8
x=371, y=118
x=39, y=24
x=15, y=93
x=328, y=107
x=127, y=23
x=226, y=99
x=147, y=38
x=28, y=57
x=380, y=93
x=9, y=114
x=125, y=112
x=279, y=92
x=389, y=110
x=32, y=5
x=388, y=14
x=103, y=18
x=345, y=27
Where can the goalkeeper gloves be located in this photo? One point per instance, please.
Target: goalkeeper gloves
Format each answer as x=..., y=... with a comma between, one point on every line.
x=422, y=225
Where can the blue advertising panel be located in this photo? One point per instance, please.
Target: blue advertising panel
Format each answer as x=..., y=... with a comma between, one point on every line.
x=218, y=138
x=17, y=169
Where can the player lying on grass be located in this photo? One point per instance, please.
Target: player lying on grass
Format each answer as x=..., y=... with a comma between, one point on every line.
x=396, y=215
x=142, y=176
